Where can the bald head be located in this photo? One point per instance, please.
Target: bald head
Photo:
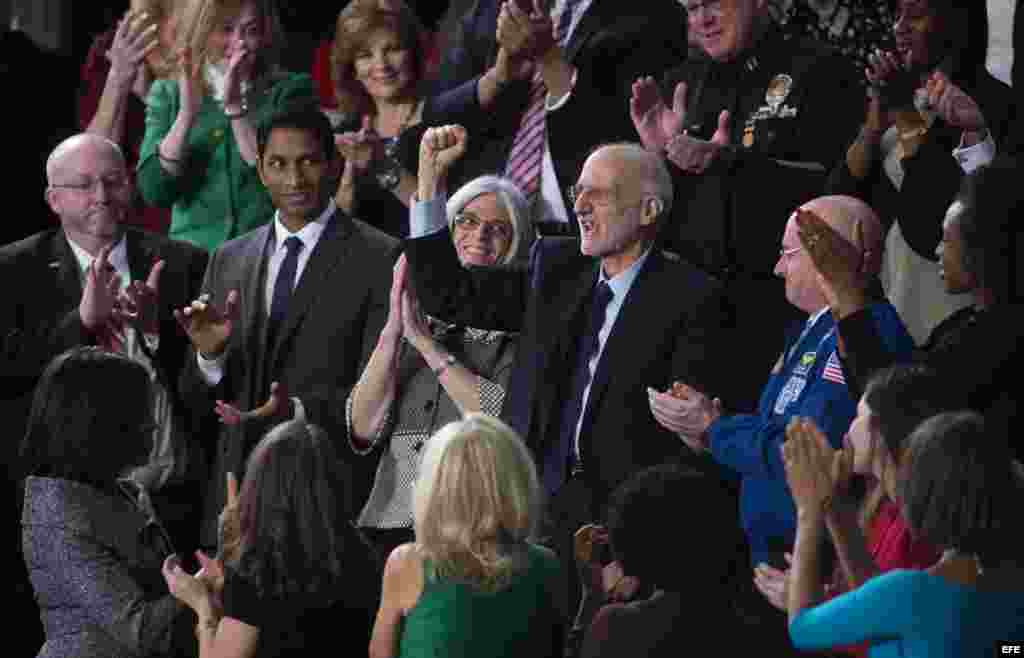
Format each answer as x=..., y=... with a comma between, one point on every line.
x=856, y=222
x=642, y=168
x=76, y=144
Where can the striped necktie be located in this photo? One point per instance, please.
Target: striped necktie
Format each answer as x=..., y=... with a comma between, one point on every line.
x=525, y=158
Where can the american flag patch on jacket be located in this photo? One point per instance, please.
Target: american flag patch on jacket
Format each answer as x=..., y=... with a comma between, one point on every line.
x=834, y=369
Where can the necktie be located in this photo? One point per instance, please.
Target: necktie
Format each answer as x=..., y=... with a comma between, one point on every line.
x=283, y=288
x=527, y=154
x=557, y=462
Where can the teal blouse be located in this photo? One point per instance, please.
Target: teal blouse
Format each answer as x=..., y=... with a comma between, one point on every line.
x=219, y=196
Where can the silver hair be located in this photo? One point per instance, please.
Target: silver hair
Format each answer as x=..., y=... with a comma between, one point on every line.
x=515, y=205
x=653, y=175
x=73, y=142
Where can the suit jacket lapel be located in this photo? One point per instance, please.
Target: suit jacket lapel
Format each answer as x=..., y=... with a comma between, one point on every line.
x=253, y=324
x=632, y=320
x=591, y=22
x=330, y=250
x=65, y=268
x=141, y=255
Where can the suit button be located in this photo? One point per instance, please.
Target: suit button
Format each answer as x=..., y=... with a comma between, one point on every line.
x=428, y=405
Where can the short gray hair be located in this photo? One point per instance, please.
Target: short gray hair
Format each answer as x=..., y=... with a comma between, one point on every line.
x=511, y=198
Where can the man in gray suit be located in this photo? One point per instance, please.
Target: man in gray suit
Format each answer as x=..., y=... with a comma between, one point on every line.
x=296, y=305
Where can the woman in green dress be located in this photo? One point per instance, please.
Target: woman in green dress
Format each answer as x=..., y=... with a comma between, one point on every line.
x=199, y=153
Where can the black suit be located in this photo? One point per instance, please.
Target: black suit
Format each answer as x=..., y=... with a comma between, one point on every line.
x=39, y=320
x=334, y=317
x=664, y=332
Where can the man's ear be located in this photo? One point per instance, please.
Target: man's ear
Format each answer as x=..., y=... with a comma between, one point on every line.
x=53, y=199
x=651, y=210
x=259, y=169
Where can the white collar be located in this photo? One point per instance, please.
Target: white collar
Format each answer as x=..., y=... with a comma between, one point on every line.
x=118, y=257
x=308, y=234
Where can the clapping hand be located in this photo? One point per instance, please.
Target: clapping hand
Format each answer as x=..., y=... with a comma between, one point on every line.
x=207, y=326
x=190, y=83
x=100, y=293
x=229, y=530
x=655, y=122
x=839, y=264
x=774, y=583
x=694, y=155
x=440, y=148
x=240, y=70
x=954, y=105
x=589, y=542
x=189, y=589
x=134, y=39
x=815, y=472
x=276, y=404
x=686, y=412
x=394, y=328
x=139, y=301
x=360, y=148
x=414, y=322
x=525, y=34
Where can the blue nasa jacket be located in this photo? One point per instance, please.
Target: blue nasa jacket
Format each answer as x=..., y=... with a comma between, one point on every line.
x=807, y=381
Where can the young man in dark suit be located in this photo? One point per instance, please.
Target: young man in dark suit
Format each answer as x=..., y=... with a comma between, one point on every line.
x=291, y=311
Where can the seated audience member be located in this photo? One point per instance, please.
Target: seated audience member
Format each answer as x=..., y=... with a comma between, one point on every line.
x=927, y=102
x=91, y=541
x=379, y=74
x=297, y=568
x=686, y=576
x=425, y=373
x=977, y=349
x=602, y=318
x=754, y=122
x=199, y=153
x=808, y=380
x=586, y=55
x=472, y=584
x=959, y=490
x=116, y=76
x=875, y=538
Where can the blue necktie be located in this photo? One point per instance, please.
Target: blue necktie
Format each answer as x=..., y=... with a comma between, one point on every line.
x=283, y=288
x=556, y=465
x=565, y=22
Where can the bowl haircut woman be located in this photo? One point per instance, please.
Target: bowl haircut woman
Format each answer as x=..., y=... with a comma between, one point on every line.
x=472, y=584
x=91, y=542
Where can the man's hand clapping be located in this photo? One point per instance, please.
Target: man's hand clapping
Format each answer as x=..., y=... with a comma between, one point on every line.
x=655, y=122
x=99, y=296
x=207, y=326
x=686, y=412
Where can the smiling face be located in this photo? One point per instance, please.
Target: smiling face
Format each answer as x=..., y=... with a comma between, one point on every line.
x=609, y=206
x=951, y=252
x=384, y=66
x=913, y=30
x=795, y=266
x=244, y=28
x=483, y=231
x=296, y=172
x=723, y=28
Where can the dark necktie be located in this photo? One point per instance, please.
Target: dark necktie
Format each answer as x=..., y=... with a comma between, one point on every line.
x=283, y=288
x=557, y=463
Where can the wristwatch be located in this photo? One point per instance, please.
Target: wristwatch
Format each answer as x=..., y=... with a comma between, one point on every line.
x=448, y=361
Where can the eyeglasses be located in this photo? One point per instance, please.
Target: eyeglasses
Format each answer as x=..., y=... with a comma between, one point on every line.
x=468, y=222
x=597, y=195
x=112, y=182
x=711, y=7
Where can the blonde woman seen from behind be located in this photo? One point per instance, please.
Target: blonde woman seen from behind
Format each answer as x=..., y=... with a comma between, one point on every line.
x=472, y=584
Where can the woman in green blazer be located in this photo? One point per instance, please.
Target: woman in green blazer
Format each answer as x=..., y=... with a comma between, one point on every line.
x=199, y=153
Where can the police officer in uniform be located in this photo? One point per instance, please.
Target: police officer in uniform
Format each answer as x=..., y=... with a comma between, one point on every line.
x=750, y=127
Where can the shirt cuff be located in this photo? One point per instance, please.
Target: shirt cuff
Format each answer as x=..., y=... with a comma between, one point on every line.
x=552, y=104
x=212, y=370
x=971, y=157
x=427, y=217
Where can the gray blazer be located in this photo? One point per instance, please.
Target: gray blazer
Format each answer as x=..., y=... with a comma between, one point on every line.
x=94, y=560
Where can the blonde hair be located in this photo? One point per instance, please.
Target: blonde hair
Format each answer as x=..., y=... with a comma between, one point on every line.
x=356, y=23
x=160, y=12
x=476, y=501
x=200, y=18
